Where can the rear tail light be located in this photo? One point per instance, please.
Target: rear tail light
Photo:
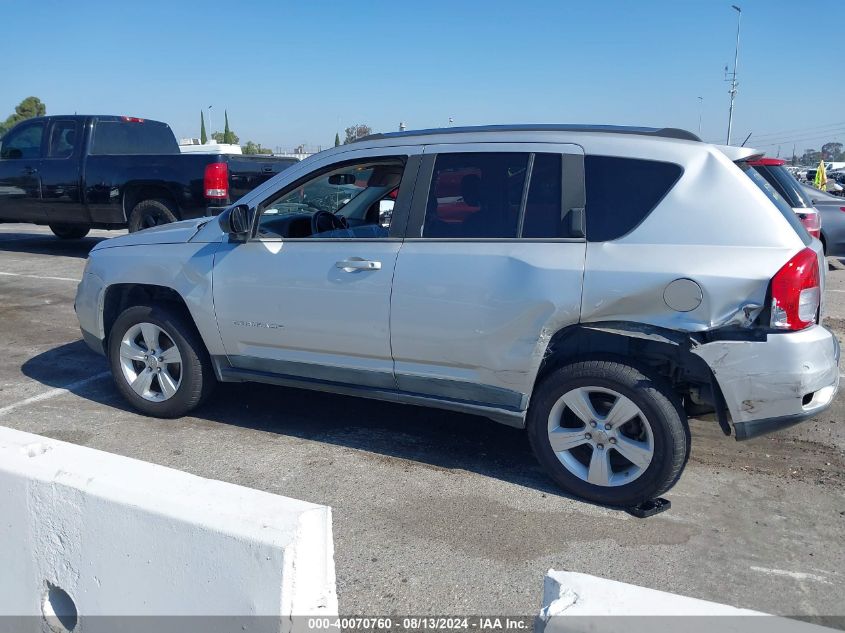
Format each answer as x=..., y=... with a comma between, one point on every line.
x=796, y=292
x=216, y=182
x=812, y=222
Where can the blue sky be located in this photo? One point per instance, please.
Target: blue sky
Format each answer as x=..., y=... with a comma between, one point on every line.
x=297, y=72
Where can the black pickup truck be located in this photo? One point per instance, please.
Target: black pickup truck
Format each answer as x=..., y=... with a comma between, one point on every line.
x=75, y=173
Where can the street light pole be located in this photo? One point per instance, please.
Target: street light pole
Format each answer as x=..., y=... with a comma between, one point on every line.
x=733, y=76
x=700, y=107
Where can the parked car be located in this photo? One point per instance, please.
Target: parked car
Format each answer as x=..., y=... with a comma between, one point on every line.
x=785, y=184
x=832, y=212
x=75, y=173
x=832, y=185
x=530, y=293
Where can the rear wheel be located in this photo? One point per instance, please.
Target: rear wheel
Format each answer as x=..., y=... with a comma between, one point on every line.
x=70, y=231
x=159, y=362
x=607, y=432
x=150, y=213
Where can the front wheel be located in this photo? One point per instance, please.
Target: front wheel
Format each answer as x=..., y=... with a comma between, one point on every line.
x=159, y=362
x=70, y=231
x=607, y=432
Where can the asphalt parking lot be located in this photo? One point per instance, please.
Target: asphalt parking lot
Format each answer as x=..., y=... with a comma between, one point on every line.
x=437, y=512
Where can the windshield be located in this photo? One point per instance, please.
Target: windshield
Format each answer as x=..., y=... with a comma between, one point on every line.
x=786, y=185
x=781, y=204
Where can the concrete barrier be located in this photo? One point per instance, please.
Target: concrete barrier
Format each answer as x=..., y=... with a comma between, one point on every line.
x=577, y=603
x=86, y=534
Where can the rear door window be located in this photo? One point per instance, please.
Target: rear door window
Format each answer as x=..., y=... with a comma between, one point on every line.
x=476, y=195
x=133, y=137
x=63, y=139
x=621, y=192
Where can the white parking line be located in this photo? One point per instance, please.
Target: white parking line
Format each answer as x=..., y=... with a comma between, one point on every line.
x=40, y=277
x=833, y=290
x=52, y=393
x=797, y=575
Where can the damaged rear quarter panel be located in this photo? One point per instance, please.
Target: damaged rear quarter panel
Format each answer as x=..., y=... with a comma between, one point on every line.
x=714, y=227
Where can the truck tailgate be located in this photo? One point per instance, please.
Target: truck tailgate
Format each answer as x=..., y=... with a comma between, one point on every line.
x=247, y=172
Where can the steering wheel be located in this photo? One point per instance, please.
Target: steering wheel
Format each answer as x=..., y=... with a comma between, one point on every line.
x=323, y=221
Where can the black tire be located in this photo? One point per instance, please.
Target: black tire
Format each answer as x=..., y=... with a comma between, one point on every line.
x=656, y=401
x=70, y=231
x=197, y=374
x=149, y=213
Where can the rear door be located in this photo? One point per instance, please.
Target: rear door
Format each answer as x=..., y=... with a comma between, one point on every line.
x=60, y=173
x=492, y=264
x=20, y=180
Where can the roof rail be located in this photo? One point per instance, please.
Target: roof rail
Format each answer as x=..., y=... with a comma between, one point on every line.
x=662, y=132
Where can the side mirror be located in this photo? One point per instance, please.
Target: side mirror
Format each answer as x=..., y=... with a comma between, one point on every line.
x=237, y=221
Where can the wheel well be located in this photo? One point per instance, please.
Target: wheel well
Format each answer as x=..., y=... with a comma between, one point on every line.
x=138, y=193
x=664, y=352
x=119, y=297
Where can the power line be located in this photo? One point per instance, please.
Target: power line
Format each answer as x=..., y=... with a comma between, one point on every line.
x=800, y=130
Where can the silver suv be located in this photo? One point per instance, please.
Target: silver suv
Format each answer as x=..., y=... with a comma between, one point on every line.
x=593, y=285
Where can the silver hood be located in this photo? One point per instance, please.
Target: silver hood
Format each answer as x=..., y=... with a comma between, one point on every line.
x=173, y=233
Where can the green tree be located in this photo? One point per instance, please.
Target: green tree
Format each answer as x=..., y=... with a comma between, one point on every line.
x=203, y=135
x=832, y=151
x=26, y=109
x=336, y=139
x=354, y=132
x=255, y=148
x=811, y=157
x=228, y=136
x=220, y=136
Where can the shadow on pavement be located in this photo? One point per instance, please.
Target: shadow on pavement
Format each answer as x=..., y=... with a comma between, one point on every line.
x=442, y=439
x=41, y=244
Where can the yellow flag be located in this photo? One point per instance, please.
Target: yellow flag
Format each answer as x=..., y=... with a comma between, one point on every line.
x=821, y=177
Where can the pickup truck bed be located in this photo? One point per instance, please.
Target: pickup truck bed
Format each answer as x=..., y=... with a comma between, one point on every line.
x=76, y=172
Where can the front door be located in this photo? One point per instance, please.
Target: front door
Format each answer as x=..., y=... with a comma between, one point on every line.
x=20, y=182
x=308, y=295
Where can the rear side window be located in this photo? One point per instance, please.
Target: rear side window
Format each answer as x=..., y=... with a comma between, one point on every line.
x=133, y=137
x=63, y=139
x=621, y=192
x=776, y=199
x=475, y=195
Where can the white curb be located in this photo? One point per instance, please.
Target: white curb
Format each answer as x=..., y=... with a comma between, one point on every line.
x=117, y=536
x=602, y=603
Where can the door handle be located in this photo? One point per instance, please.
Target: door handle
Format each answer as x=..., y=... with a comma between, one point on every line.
x=29, y=171
x=354, y=263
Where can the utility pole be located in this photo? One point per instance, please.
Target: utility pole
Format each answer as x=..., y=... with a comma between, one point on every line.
x=732, y=75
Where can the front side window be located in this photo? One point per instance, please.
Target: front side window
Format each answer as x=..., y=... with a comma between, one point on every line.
x=63, y=138
x=351, y=201
x=24, y=142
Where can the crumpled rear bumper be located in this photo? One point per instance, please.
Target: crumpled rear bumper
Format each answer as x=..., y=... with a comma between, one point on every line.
x=772, y=384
